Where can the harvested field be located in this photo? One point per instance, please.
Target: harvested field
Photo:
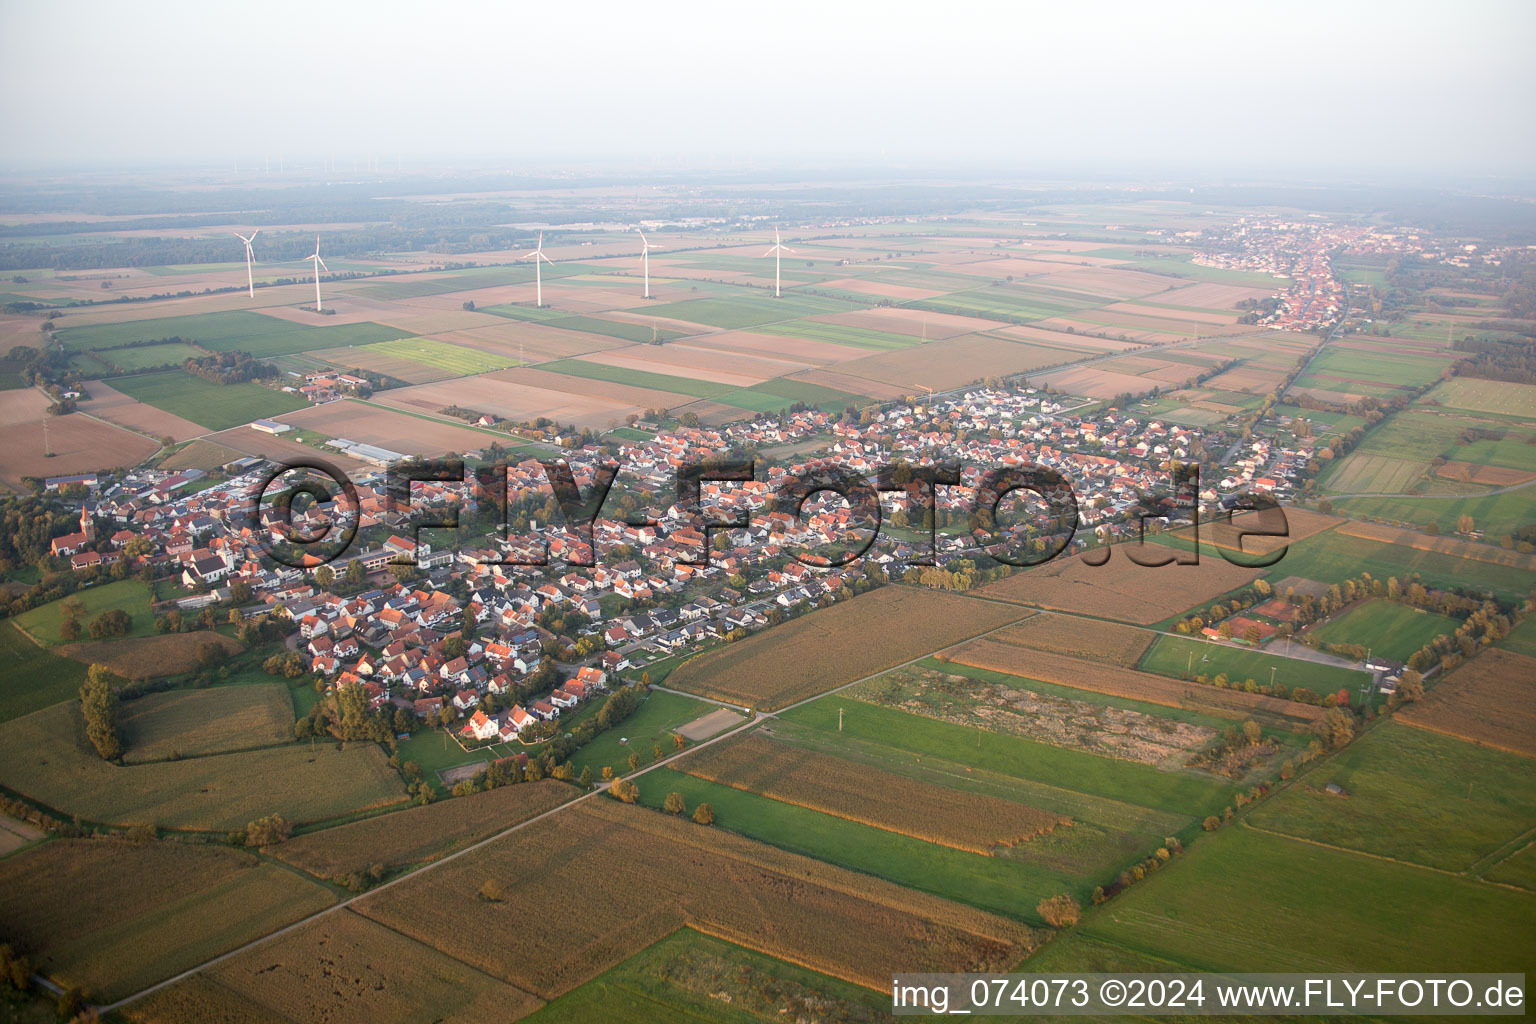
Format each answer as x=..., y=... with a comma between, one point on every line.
x=805, y=350
x=79, y=444
x=1007, y=705
x=149, y=657
x=678, y=366
x=526, y=397
x=1092, y=382
x=705, y=726
x=204, y=455
x=397, y=431
x=45, y=756
x=606, y=880
x=1477, y=473
x=854, y=385
x=420, y=834
x=108, y=403
x=888, y=289
x=1118, y=682
x=954, y=362
x=825, y=649
x=1109, y=282
x=1181, y=313
x=1298, y=524
x=1120, y=589
x=1489, y=700
x=1111, y=643
x=871, y=796
x=345, y=967
x=112, y=917
x=1060, y=339
x=15, y=834
x=191, y=723
x=913, y=322
x=1443, y=545
x=278, y=449
x=696, y=360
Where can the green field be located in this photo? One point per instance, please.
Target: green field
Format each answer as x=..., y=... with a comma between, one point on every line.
x=780, y=393
x=1332, y=556
x=133, y=359
x=1343, y=369
x=1513, y=451
x=1412, y=795
x=1518, y=869
x=1184, y=793
x=42, y=623
x=192, y=723
x=1176, y=655
x=751, y=309
x=1389, y=629
x=466, y=280
x=1004, y=885
x=459, y=359
x=34, y=679
x=1364, y=473
x=642, y=333
x=1177, y=266
x=1522, y=639
x=658, y=717
x=1490, y=396
x=636, y=378
x=215, y=406
x=840, y=334
x=1497, y=515
x=1242, y=900
x=687, y=978
x=229, y=331
x=46, y=757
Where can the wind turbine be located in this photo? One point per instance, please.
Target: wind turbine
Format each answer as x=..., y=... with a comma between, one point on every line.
x=319, y=266
x=645, y=261
x=250, y=282
x=779, y=248
x=538, y=281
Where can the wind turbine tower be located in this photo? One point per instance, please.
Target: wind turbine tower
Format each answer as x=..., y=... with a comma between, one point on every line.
x=250, y=281
x=779, y=248
x=538, y=281
x=645, y=261
x=319, y=266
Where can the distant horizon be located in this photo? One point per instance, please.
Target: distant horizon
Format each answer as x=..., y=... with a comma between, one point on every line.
x=1307, y=89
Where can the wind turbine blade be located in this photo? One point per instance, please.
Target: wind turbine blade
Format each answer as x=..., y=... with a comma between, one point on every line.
x=322, y=264
x=254, y=233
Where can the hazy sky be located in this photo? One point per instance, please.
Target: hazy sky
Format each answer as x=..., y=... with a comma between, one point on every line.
x=1443, y=88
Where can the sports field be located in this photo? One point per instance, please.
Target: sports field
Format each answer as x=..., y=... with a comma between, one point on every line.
x=1180, y=657
x=1389, y=629
x=215, y=406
